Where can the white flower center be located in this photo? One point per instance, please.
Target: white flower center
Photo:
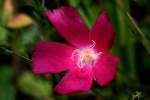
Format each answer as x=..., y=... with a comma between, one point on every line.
x=85, y=56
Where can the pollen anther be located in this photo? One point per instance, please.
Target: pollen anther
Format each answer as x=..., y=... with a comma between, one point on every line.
x=85, y=56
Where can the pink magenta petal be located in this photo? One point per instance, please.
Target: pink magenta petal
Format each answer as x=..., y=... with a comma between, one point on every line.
x=51, y=57
x=77, y=80
x=102, y=32
x=105, y=69
x=70, y=25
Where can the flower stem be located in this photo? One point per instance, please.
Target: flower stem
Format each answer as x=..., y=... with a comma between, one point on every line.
x=137, y=32
x=14, y=53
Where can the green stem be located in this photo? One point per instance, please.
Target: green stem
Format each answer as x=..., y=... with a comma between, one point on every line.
x=125, y=37
x=134, y=27
x=14, y=53
x=138, y=33
x=121, y=24
x=85, y=18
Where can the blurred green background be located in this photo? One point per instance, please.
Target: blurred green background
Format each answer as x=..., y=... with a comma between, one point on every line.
x=22, y=23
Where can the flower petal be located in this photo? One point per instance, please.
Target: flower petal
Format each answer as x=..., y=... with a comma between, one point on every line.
x=102, y=32
x=70, y=25
x=105, y=69
x=77, y=80
x=51, y=57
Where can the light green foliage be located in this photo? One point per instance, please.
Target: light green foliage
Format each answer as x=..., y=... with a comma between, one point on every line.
x=3, y=31
x=34, y=86
x=3, y=35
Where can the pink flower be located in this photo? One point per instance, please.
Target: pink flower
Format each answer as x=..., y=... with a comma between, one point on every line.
x=85, y=59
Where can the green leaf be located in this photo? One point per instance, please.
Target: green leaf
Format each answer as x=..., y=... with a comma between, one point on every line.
x=3, y=35
x=34, y=86
x=138, y=33
x=74, y=2
x=7, y=90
